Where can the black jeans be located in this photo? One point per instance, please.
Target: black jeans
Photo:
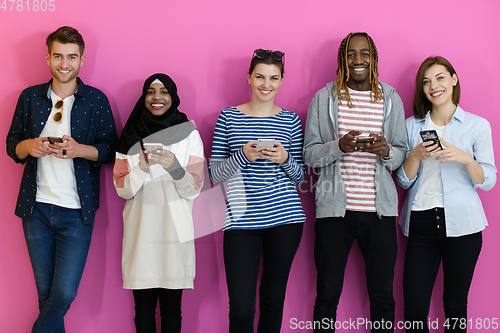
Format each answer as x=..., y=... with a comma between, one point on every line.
x=170, y=309
x=243, y=250
x=427, y=247
x=377, y=241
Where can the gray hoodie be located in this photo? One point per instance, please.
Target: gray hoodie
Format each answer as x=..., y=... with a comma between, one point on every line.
x=322, y=151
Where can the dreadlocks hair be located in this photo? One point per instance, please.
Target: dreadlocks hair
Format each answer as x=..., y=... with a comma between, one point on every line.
x=342, y=74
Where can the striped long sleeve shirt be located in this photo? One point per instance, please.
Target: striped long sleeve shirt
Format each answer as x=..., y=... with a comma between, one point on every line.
x=260, y=194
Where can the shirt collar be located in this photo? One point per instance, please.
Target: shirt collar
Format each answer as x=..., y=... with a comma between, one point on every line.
x=81, y=91
x=458, y=115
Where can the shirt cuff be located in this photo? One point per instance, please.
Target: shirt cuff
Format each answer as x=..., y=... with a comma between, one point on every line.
x=176, y=170
x=241, y=158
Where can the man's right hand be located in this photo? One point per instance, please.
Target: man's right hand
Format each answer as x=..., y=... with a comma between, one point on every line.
x=34, y=147
x=347, y=143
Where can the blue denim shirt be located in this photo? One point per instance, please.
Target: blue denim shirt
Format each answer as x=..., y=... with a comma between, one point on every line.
x=92, y=123
x=463, y=210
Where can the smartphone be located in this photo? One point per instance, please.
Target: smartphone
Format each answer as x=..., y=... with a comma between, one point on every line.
x=430, y=135
x=54, y=139
x=153, y=148
x=265, y=143
x=365, y=139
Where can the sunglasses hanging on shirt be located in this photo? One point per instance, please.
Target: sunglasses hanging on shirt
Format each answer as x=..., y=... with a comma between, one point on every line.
x=58, y=115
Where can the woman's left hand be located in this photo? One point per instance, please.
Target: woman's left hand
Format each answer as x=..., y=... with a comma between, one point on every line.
x=452, y=154
x=165, y=158
x=277, y=153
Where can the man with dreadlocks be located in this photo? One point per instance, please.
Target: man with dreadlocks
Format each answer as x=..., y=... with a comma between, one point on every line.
x=355, y=137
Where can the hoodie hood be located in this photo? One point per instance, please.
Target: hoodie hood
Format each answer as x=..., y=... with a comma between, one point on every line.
x=387, y=90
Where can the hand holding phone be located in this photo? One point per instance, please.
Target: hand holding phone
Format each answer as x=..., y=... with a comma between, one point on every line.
x=153, y=148
x=54, y=139
x=430, y=135
x=365, y=139
x=268, y=143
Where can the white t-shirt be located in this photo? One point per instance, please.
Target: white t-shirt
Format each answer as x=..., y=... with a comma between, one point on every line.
x=430, y=191
x=55, y=178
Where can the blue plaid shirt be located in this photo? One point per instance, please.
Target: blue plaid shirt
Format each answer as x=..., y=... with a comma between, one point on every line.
x=92, y=123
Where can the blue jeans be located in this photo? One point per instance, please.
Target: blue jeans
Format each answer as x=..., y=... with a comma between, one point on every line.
x=58, y=244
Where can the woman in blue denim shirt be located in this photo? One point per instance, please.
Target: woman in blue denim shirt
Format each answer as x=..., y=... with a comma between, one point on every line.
x=442, y=215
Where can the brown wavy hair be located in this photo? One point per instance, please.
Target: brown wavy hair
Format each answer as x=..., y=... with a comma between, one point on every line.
x=420, y=102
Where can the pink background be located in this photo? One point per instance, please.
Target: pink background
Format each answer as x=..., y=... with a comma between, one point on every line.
x=206, y=46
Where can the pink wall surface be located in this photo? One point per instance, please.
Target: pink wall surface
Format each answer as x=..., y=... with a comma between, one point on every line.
x=205, y=46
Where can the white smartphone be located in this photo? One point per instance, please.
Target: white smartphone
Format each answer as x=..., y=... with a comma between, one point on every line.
x=153, y=148
x=265, y=143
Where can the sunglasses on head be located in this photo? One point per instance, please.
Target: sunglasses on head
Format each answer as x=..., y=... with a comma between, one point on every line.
x=275, y=54
x=58, y=115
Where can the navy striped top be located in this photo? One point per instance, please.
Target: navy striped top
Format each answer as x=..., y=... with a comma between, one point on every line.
x=260, y=194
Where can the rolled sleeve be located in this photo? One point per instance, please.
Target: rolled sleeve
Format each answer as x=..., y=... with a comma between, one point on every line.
x=17, y=130
x=105, y=138
x=483, y=154
x=403, y=180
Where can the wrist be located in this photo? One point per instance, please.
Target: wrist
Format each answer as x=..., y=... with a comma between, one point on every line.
x=20, y=153
x=287, y=157
x=78, y=150
x=176, y=170
x=469, y=161
x=340, y=147
x=390, y=154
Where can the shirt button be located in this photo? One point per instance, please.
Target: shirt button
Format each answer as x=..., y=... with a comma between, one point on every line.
x=437, y=217
x=438, y=226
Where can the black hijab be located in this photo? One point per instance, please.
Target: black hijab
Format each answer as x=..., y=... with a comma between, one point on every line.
x=143, y=125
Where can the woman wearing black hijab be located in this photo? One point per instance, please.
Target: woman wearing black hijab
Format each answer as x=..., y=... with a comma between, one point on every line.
x=159, y=184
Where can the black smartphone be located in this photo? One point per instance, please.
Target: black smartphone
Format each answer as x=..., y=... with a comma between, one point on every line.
x=430, y=135
x=54, y=139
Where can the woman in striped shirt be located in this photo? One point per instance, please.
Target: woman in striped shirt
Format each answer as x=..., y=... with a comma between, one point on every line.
x=257, y=149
